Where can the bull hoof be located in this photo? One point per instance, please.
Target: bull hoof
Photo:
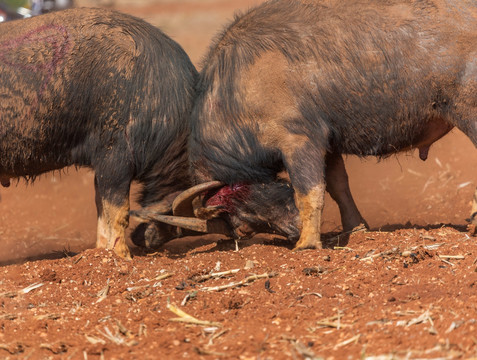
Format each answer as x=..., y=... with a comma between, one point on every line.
x=360, y=227
x=472, y=226
x=307, y=247
x=122, y=250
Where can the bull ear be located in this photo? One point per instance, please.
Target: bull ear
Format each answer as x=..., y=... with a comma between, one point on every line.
x=182, y=205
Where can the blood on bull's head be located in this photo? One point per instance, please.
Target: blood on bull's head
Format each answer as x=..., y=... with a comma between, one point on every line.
x=258, y=208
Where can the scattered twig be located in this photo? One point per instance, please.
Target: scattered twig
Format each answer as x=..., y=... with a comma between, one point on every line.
x=330, y=321
x=433, y=246
x=162, y=277
x=189, y=296
x=243, y=282
x=117, y=339
x=123, y=330
x=30, y=288
x=215, y=336
x=447, y=262
x=343, y=248
x=186, y=318
x=78, y=259
x=8, y=317
x=464, y=184
x=335, y=325
x=454, y=325
x=95, y=340
x=306, y=294
x=349, y=341
x=9, y=294
x=142, y=330
x=13, y=350
x=424, y=317
x=59, y=349
x=103, y=293
x=304, y=351
x=387, y=252
x=133, y=288
x=216, y=275
x=405, y=313
x=47, y=317
x=457, y=257
x=333, y=270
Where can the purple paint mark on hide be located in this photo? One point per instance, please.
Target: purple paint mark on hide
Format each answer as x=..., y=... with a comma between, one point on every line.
x=226, y=195
x=50, y=37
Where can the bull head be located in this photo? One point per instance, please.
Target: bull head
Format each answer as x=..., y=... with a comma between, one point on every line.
x=239, y=210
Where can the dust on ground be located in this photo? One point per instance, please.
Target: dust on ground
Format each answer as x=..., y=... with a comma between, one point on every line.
x=406, y=289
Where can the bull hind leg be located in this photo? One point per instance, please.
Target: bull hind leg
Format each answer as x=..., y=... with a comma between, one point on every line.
x=473, y=215
x=465, y=120
x=470, y=129
x=338, y=187
x=112, y=204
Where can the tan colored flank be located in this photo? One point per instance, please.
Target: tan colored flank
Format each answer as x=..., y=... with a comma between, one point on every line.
x=268, y=75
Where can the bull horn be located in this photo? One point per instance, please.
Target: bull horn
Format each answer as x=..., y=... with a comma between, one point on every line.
x=213, y=226
x=182, y=205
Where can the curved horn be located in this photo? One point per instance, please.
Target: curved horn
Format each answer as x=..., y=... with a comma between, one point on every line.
x=213, y=226
x=182, y=205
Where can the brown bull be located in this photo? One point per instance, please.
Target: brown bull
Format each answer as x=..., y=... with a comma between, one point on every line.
x=295, y=84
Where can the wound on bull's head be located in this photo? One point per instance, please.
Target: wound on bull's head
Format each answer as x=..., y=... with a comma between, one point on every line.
x=226, y=197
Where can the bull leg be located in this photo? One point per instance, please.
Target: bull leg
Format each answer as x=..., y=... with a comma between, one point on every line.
x=338, y=187
x=306, y=166
x=310, y=205
x=466, y=122
x=473, y=215
x=112, y=204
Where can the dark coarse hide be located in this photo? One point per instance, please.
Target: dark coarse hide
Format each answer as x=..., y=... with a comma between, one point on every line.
x=100, y=89
x=295, y=84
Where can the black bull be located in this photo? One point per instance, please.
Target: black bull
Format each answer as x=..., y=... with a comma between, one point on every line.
x=100, y=89
x=295, y=84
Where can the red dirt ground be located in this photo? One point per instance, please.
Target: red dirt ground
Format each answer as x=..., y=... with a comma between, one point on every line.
x=405, y=290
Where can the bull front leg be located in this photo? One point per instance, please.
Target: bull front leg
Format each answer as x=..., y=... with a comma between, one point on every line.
x=305, y=163
x=338, y=187
x=310, y=206
x=112, y=204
